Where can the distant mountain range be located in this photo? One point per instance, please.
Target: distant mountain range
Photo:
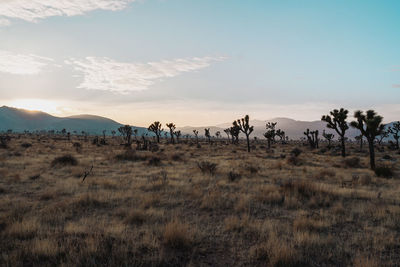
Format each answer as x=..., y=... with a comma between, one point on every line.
x=20, y=120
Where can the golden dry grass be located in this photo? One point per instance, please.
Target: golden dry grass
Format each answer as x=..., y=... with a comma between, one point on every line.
x=171, y=207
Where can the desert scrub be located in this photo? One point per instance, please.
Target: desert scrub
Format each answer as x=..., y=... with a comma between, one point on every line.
x=64, y=161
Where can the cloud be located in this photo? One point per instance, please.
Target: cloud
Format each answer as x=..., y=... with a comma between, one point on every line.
x=396, y=85
x=34, y=10
x=21, y=64
x=109, y=75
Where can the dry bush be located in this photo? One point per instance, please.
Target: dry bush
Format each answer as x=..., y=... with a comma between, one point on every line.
x=26, y=145
x=178, y=235
x=207, y=167
x=136, y=217
x=384, y=171
x=154, y=161
x=325, y=173
x=269, y=194
x=64, y=161
x=234, y=176
x=236, y=224
x=352, y=162
x=293, y=160
x=129, y=155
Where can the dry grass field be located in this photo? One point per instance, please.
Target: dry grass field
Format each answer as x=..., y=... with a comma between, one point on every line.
x=195, y=206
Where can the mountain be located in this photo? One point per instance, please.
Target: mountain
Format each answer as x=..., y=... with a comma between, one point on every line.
x=20, y=120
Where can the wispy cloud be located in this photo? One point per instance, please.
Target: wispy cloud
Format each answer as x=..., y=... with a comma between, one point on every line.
x=109, y=75
x=21, y=64
x=396, y=85
x=34, y=10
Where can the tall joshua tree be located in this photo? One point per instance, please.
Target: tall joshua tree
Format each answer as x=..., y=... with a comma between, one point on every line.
x=196, y=134
x=172, y=128
x=370, y=125
x=270, y=133
x=329, y=137
x=244, y=127
x=156, y=128
x=207, y=134
x=126, y=132
x=337, y=121
x=395, y=131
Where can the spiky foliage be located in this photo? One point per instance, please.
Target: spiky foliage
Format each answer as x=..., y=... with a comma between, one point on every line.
x=280, y=134
x=178, y=135
x=384, y=134
x=235, y=131
x=312, y=137
x=370, y=125
x=270, y=133
x=329, y=137
x=337, y=121
x=126, y=132
x=244, y=127
x=196, y=134
x=228, y=133
x=156, y=128
x=172, y=128
x=207, y=134
x=395, y=131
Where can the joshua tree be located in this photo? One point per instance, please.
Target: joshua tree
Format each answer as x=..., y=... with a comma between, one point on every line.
x=270, y=133
x=228, y=133
x=370, y=125
x=178, y=135
x=196, y=134
x=113, y=133
x=280, y=134
x=135, y=133
x=337, y=121
x=329, y=137
x=245, y=128
x=218, y=134
x=156, y=128
x=126, y=132
x=207, y=134
x=383, y=135
x=360, y=139
x=312, y=137
x=235, y=131
x=172, y=128
x=395, y=130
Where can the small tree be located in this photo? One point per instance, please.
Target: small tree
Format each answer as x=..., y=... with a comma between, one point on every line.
x=395, y=131
x=270, y=133
x=156, y=128
x=126, y=132
x=196, y=134
x=383, y=135
x=207, y=134
x=178, y=135
x=244, y=127
x=280, y=134
x=172, y=128
x=218, y=134
x=235, y=131
x=329, y=137
x=360, y=139
x=312, y=137
x=135, y=133
x=113, y=133
x=337, y=121
x=228, y=133
x=370, y=125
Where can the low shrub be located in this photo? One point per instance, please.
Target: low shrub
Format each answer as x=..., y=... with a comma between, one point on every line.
x=296, y=152
x=64, y=161
x=352, y=162
x=384, y=171
x=154, y=161
x=26, y=145
x=129, y=155
x=233, y=176
x=207, y=167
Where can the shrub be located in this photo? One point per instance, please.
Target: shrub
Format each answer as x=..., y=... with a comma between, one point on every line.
x=233, y=176
x=154, y=161
x=177, y=157
x=136, y=217
x=26, y=145
x=129, y=155
x=207, y=167
x=65, y=160
x=296, y=152
x=353, y=162
x=177, y=236
x=384, y=171
x=293, y=160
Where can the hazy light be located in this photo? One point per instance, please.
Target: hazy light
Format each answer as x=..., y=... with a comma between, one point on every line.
x=36, y=105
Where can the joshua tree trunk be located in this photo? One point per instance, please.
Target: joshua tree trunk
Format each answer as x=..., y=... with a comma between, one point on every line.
x=361, y=143
x=269, y=143
x=248, y=142
x=343, y=146
x=371, y=153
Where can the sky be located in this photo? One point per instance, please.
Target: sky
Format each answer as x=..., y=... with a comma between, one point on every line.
x=202, y=62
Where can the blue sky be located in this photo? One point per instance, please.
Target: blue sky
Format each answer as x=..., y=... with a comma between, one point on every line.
x=200, y=62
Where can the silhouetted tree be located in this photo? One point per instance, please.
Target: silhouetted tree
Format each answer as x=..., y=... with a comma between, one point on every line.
x=384, y=134
x=244, y=127
x=312, y=137
x=126, y=132
x=337, y=121
x=270, y=133
x=329, y=137
x=135, y=133
x=156, y=128
x=370, y=125
x=280, y=134
x=113, y=133
x=207, y=134
x=228, y=133
x=235, y=131
x=172, y=128
x=395, y=131
x=218, y=134
x=178, y=135
x=196, y=134
x=360, y=139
